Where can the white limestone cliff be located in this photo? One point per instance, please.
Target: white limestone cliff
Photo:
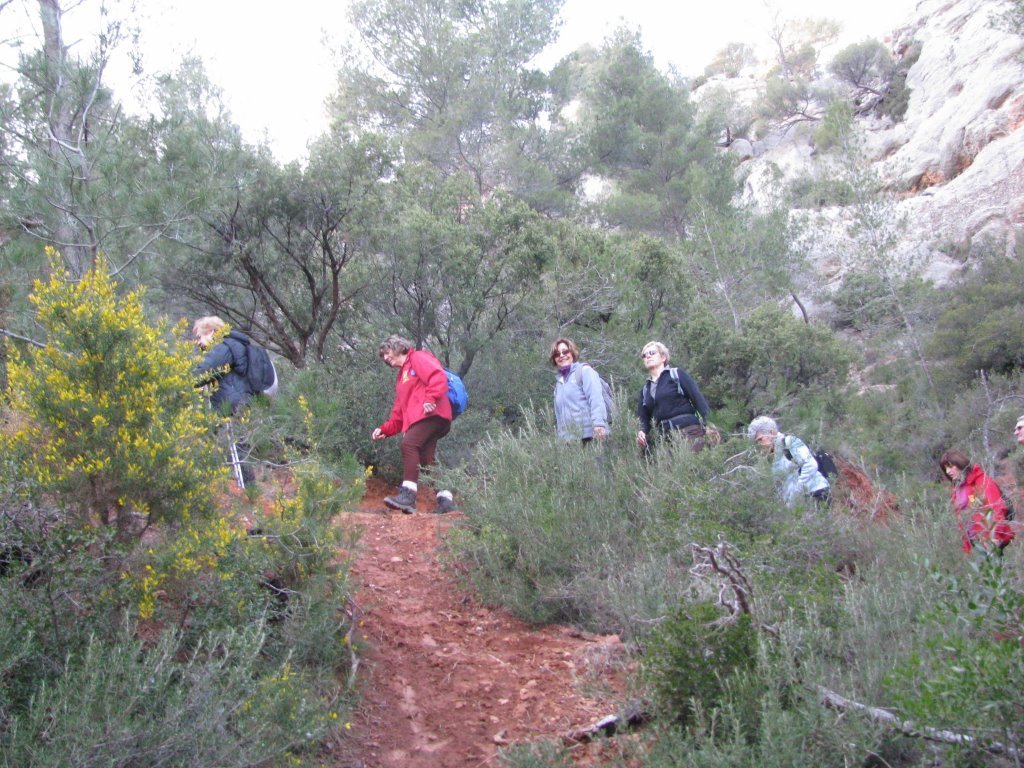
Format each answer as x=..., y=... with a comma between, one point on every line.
x=954, y=164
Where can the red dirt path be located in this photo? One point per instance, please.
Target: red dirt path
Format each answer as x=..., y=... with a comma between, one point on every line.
x=446, y=681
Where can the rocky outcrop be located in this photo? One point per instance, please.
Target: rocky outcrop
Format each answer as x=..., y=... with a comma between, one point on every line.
x=954, y=164
x=967, y=91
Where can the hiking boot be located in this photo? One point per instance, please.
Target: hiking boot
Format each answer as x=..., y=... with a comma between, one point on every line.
x=444, y=506
x=404, y=501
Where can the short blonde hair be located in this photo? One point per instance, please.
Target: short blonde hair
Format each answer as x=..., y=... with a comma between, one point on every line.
x=662, y=349
x=207, y=325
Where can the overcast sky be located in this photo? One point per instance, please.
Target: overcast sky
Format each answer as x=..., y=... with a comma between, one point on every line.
x=275, y=70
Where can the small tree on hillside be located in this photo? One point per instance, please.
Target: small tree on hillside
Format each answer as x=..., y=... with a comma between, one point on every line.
x=866, y=67
x=110, y=423
x=731, y=60
x=791, y=93
x=874, y=229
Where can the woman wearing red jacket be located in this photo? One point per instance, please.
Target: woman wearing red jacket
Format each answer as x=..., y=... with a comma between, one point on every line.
x=978, y=504
x=422, y=411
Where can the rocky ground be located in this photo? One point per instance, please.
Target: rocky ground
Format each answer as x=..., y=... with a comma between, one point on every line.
x=449, y=682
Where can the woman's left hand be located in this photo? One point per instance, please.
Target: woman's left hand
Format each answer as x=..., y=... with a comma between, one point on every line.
x=429, y=407
x=600, y=433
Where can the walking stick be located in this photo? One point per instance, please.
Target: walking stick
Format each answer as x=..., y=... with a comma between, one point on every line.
x=236, y=463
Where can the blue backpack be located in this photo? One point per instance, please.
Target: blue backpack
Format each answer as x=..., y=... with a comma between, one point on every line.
x=456, y=393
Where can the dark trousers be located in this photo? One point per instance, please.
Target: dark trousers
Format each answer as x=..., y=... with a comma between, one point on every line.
x=692, y=434
x=420, y=444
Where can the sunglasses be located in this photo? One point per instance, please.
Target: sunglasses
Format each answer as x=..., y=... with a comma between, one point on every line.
x=562, y=352
x=649, y=353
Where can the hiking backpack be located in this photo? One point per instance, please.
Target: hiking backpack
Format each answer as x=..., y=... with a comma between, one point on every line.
x=457, y=394
x=606, y=390
x=1011, y=513
x=826, y=464
x=261, y=374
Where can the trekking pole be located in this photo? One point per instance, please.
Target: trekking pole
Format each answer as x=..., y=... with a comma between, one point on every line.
x=236, y=463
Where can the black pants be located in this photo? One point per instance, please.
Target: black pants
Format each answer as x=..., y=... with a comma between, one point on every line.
x=692, y=433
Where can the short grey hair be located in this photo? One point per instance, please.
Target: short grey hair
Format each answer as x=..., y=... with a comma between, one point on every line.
x=762, y=425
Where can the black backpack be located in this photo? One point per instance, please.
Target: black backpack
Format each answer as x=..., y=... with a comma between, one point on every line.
x=260, y=372
x=826, y=464
x=1010, y=511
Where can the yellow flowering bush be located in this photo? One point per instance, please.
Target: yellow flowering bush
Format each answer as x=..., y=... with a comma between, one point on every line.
x=111, y=423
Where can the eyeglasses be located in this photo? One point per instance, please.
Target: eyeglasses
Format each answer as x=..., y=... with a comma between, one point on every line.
x=649, y=353
x=562, y=352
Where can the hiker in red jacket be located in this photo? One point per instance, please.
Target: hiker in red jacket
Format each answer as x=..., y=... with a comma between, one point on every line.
x=422, y=411
x=978, y=504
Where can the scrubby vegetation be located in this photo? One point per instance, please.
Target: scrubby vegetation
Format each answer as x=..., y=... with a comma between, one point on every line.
x=748, y=616
x=483, y=207
x=149, y=618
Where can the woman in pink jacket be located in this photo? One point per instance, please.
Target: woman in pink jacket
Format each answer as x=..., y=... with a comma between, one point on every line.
x=978, y=504
x=422, y=411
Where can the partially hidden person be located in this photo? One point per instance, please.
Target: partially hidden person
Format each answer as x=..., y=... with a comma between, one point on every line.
x=422, y=412
x=793, y=465
x=978, y=504
x=670, y=399
x=224, y=366
x=580, y=410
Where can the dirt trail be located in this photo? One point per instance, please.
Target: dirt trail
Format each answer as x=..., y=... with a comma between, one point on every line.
x=446, y=681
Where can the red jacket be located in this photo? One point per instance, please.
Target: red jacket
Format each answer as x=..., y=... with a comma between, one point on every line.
x=420, y=380
x=978, y=496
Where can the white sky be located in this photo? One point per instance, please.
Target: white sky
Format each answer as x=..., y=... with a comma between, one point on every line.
x=275, y=70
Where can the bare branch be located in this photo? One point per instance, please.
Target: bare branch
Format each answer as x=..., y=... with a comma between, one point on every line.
x=12, y=335
x=833, y=700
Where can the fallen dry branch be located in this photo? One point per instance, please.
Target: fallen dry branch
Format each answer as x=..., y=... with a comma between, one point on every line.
x=721, y=561
x=636, y=714
x=833, y=700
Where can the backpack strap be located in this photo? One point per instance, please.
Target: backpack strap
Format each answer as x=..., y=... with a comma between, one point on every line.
x=648, y=389
x=674, y=373
x=239, y=351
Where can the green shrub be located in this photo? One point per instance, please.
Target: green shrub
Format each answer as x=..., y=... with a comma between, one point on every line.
x=773, y=359
x=968, y=677
x=125, y=704
x=980, y=327
x=106, y=415
x=599, y=536
x=122, y=591
x=897, y=99
x=543, y=754
x=692, y=655
x=551, y=527
x=816, y=191
x=863, y=301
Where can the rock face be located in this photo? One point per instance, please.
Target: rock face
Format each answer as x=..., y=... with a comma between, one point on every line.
x=954, y=164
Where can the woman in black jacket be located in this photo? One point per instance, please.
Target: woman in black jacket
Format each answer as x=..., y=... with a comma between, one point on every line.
x=671, y=399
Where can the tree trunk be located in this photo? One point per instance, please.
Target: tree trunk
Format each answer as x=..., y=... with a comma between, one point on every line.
x=73, y=234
